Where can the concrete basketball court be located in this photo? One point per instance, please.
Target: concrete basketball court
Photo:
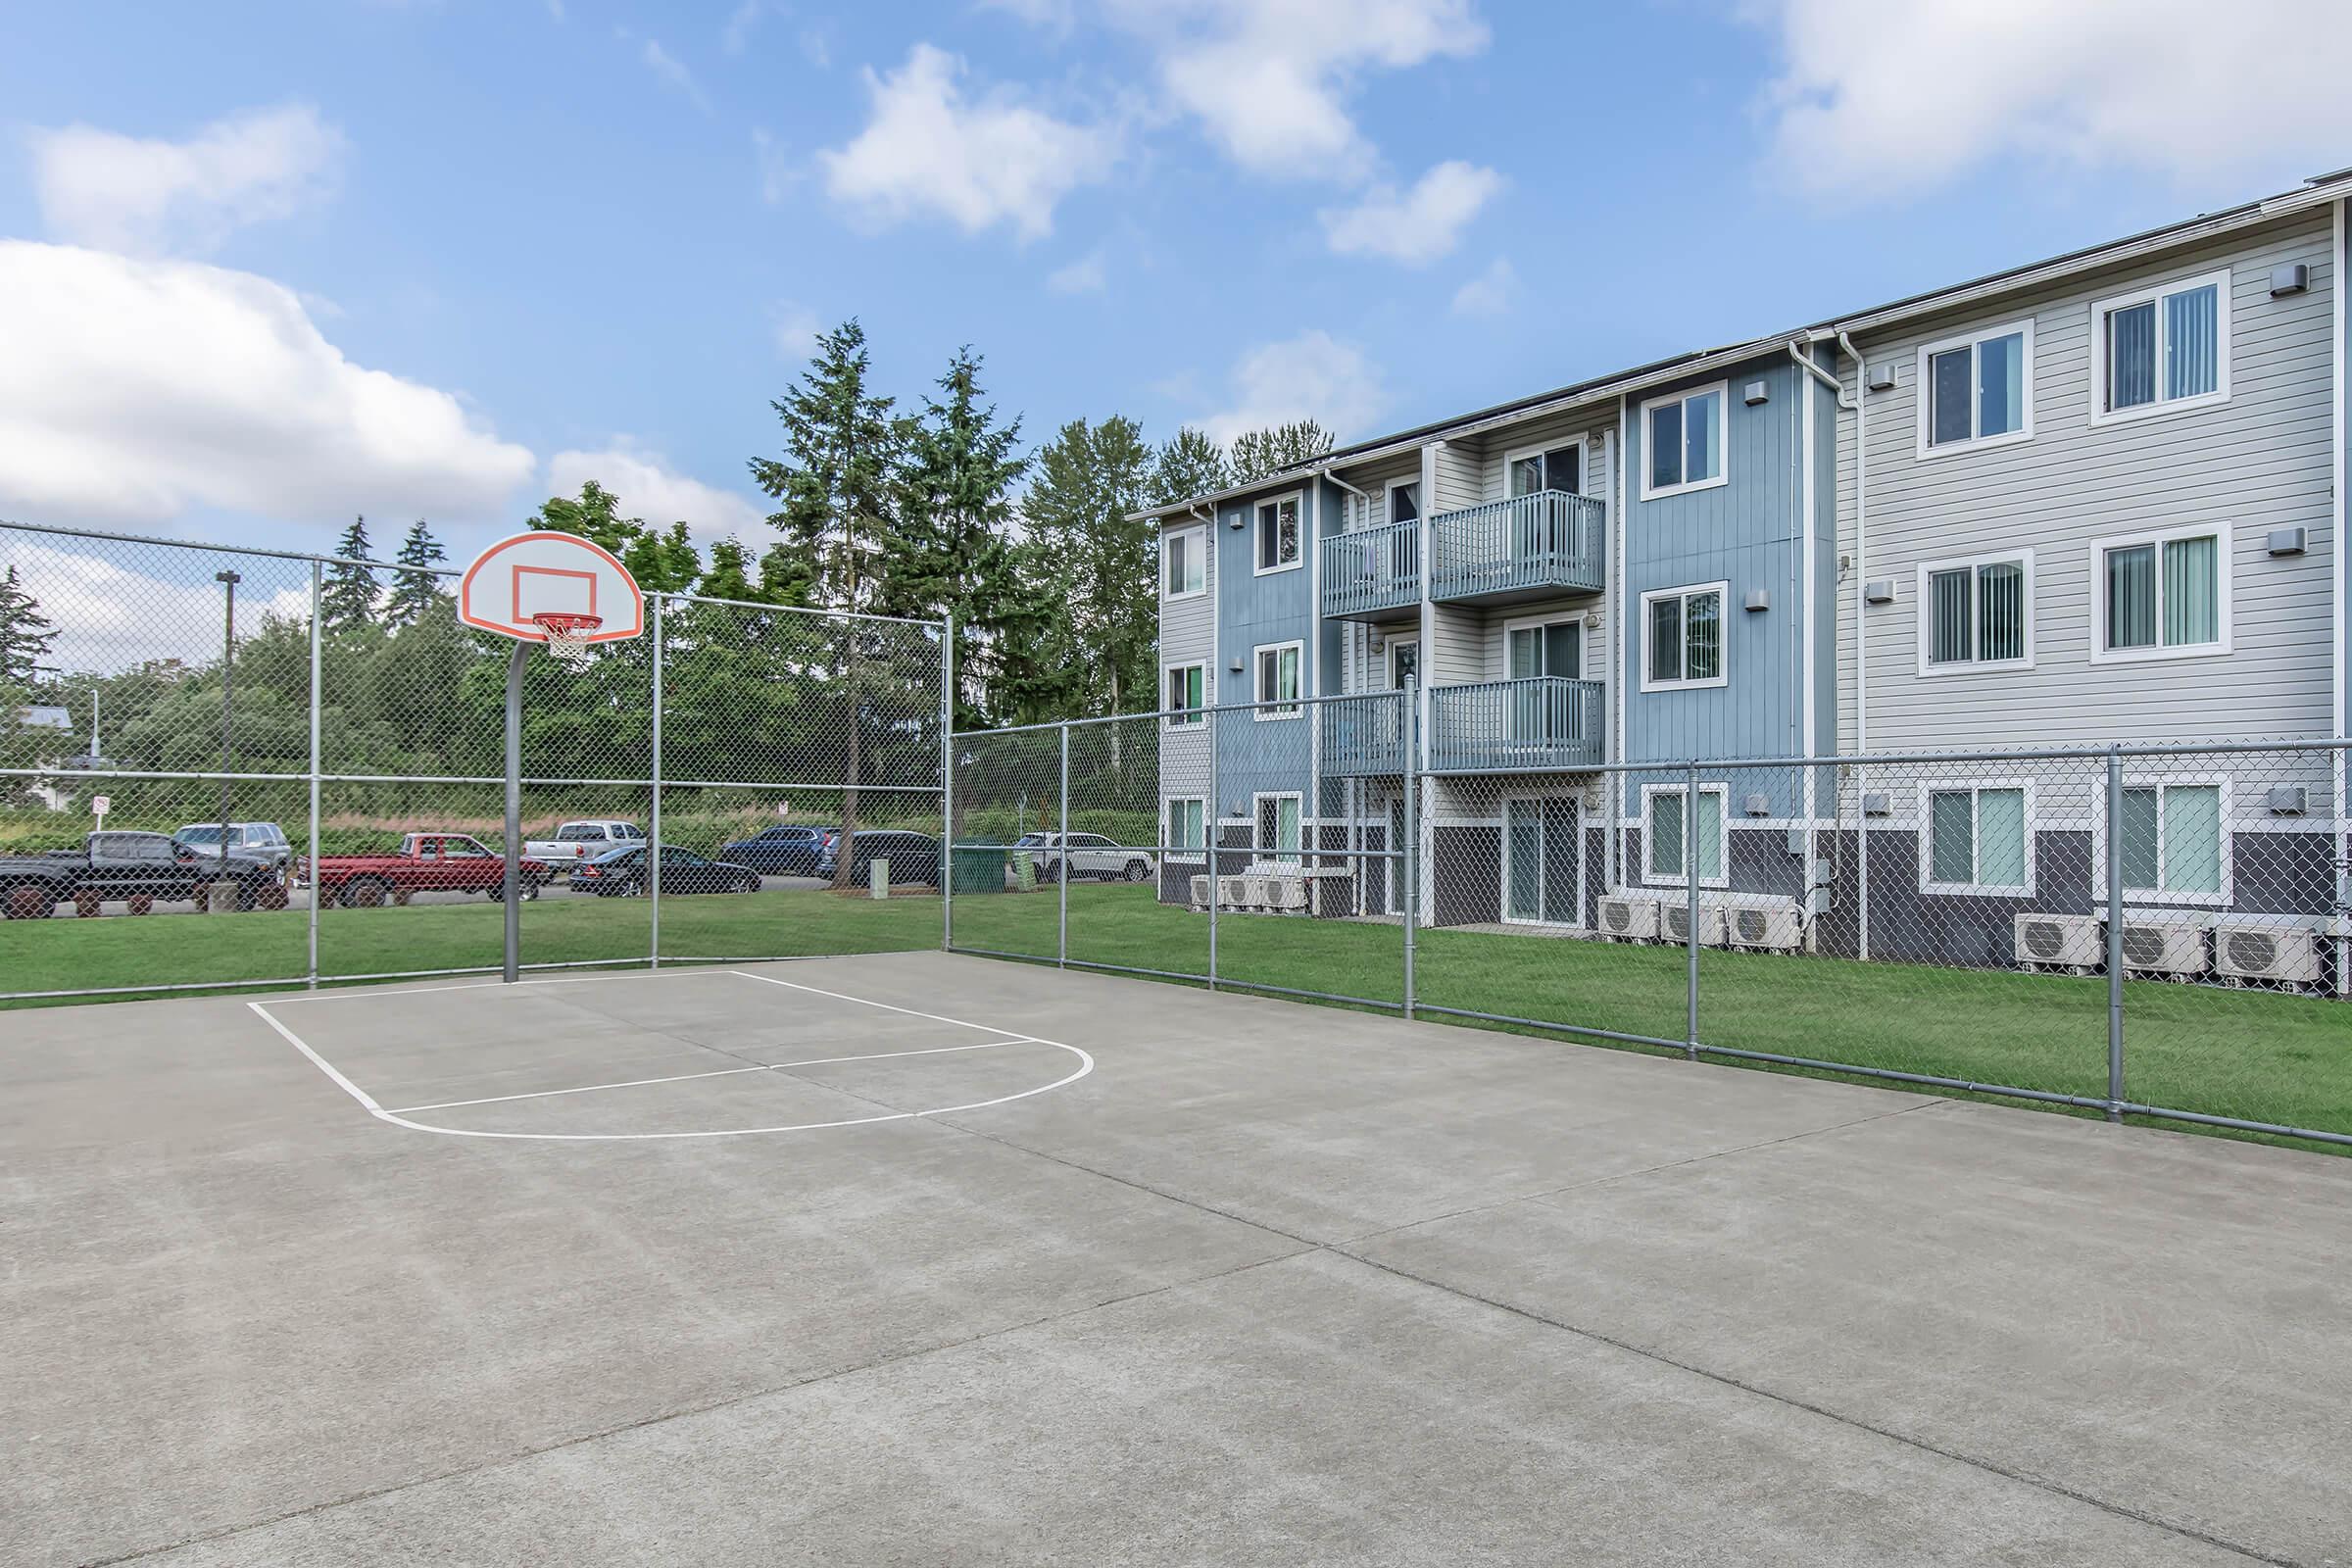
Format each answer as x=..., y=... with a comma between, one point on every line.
x=1005, y=1265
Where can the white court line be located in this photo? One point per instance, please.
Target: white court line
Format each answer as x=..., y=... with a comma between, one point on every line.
x=687, y=1077
x=1086, y=1066
x=343, y=993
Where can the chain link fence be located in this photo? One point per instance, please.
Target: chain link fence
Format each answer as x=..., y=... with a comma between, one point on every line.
x=318, y=748
x=2130, y=931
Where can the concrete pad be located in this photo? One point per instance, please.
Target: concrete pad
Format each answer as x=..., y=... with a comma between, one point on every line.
x=1588, y=1307
x=2154, y=1320
x=1308, y=1411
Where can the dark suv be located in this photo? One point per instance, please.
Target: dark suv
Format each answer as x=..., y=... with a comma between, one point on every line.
x=913, y=856
x=789, y=851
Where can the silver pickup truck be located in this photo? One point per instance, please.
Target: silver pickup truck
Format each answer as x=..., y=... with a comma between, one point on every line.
x=577, y=842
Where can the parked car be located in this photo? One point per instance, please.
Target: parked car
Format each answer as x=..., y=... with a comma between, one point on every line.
x=261, y=841
x=623, y=873
x=913, y=856
x=424, y=862
x=786, y=851
x=1089, y=855
x=137, y=866
x=577, y=842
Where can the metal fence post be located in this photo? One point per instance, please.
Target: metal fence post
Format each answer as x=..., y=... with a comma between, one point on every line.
x=653, y=850
x=1062, y=876
x=311, y=971
x=1691, y=885
x=1209, y=835
x=2115, y=935
x=1412, y=839
x=510, y=971
x=1862, y=861
x=947, y=784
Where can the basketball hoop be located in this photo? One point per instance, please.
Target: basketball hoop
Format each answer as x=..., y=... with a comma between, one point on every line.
x=567, y=635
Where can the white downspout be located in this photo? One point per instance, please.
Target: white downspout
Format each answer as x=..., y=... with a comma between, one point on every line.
x=2338, y=720
x=1861, y=406
x=1617, y=646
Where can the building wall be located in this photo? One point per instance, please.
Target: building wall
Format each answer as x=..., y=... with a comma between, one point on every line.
x=2262, y=460
x=1187, y=632
x=1747, y=533
x=1254, y=755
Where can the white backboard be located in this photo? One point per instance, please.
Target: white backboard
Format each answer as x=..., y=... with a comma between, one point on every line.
x=534, y=573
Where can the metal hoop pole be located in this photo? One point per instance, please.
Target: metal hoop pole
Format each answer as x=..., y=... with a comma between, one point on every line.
x=513, y=968
x=653, y=849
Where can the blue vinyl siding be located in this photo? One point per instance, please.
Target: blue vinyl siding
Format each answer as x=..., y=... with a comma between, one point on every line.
x=1252, y=611
x=1748, y=533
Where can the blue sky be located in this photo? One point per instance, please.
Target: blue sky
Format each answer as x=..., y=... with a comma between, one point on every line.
x=265, y=265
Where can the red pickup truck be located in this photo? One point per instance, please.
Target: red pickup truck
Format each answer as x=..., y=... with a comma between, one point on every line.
x=424, y=862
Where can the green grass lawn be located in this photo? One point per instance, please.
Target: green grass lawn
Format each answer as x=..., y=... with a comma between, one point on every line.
x=2246, y=1053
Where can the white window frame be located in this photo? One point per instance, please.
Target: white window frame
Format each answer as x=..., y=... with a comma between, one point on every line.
x=1649, y=838
x=1555, y=618
x=2156, y=899
x=2101, y=654
x=2101, y=413
x=1926, y=839
x=1388, y=498
x=1537, y=450
x=1274, y=851
x=1200, y=534
x=1297, y=709
x=1201, y=714
x=1723, y=675
x=1257, y=523
x=1503, y=892
x=1927, y=392
x=1927, y=618
x=1175, y=855
x=1723, y=477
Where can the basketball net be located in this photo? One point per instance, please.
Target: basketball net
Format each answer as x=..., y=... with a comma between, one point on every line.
x=567, y=636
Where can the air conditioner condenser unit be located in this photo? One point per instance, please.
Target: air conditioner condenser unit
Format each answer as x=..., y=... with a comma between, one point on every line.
x=1674, y=923
x=1627, y=919
x=2071, y=944
x=2169, y=947
x=1233, y=891
x=1762, y=926
x=1201, y=892
x=2281, y=947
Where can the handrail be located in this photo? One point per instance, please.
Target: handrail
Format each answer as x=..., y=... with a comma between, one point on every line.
x=1546, y=539
x=1372, y=569
x=1535, y=722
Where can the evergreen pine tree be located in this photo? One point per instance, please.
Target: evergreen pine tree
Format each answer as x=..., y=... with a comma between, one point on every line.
x=954, y=554
x=1188, y=464
x=347, y=600
x=1089, y=479
x=834, y=485
x=26, y=634
x=413, y=591
x=1278, y=447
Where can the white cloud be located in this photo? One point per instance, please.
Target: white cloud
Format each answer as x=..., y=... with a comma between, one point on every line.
x=1269, y=80
x=132, y=390
x=927, y=150
x=737, y=35
x=128, y=193
x=1878, y=99
x=1088, y=275
x=1490, y=292
x=672, y=73
x=111, y=616
x=1311, y=376
x=1414, y=226
x=647, y=487
x=796, y=329
x=776, y=173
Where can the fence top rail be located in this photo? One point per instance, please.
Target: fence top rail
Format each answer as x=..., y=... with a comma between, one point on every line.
x=1184, y=717
x=313, y=557
x=1566, y=499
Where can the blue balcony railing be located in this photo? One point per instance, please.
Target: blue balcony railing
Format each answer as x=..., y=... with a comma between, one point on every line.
x=1548, y=542
x=1371, y=572
x=1501, y=727
x=1363, y=736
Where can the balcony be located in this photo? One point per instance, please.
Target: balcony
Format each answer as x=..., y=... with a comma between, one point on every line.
x=1542, y=724
x=1529, y=547
x=1372, y=573
x=1363, y=737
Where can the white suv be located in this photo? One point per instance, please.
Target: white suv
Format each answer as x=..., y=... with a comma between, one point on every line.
x=1091, y=854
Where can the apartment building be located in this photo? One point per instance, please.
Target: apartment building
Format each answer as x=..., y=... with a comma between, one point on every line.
x=2097, y=499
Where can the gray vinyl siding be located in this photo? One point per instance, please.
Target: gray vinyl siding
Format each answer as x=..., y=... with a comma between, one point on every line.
x=1460, y=476
x=1374, y=480
x=1586, y=425
x=2261, y=460
x=1458, y=651
x=1188, y=634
